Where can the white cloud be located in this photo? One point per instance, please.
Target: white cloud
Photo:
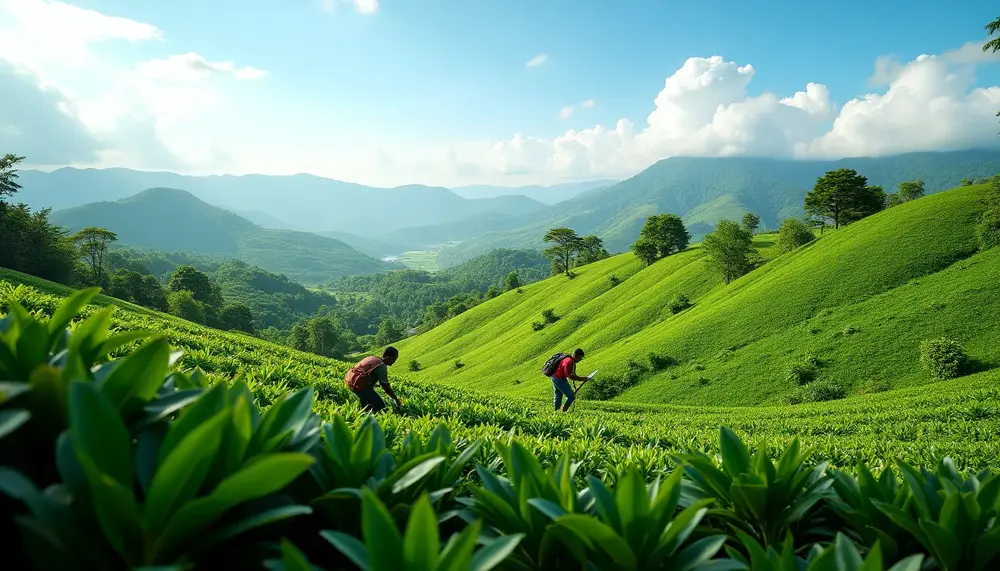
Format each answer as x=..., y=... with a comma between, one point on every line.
x=192, y=68
x=537, y=61
x=148, y=114
x=360, y=6
x=568, y=111
x=705, y=109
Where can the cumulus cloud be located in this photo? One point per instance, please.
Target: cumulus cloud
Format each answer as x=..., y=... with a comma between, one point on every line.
x=360, y=6
x=147, y=115
x=40, y=121
x=568, y=111
x=537, y=61
x=705, y=109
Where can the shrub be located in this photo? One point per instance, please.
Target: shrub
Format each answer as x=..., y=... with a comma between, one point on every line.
x=794, y=233
x=661, y=362
x=549, y=316
x=703, y=381
x=819, y=391
x=988, y=229
x=459, y=364
x=874, y=386
x=725, y=355
x=801, y=373
x=614, y=280
x=679, y=303
x=414, y=366
x=537, y=326
x=943, y=358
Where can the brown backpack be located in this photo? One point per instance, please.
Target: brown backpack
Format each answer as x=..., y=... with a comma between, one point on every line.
x=359, y=377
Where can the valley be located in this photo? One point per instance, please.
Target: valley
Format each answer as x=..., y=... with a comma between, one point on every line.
x=321, y=294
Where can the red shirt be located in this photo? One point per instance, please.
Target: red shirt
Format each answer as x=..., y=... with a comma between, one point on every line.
x=566, y=368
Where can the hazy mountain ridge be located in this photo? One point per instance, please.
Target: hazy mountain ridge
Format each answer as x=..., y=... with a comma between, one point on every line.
x=172, y=219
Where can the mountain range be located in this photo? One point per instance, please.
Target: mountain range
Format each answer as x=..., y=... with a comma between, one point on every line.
x=381, y=222
x=300, y=202
x=172, y=219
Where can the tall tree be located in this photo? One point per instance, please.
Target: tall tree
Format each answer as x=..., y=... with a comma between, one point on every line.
x=189, y=278
x=8, y=175
x=591, y=250
x=994, y=44
x=661, y=235
x=237, y=316
x=844, y=196
x=93, y=243
x=751, y=222
x=730, y=250
x=512, y=282
x=567, y=246
x=892, y=199
x=910, y=190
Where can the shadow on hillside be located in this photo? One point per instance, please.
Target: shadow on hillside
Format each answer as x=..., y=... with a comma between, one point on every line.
x=976, y=366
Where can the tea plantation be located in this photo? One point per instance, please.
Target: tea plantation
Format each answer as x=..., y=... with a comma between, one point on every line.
x=131, y=439
x=850, y=309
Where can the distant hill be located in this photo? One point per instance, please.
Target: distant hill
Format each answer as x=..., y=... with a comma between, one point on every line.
x=856, y=304
x=171, y=219
x=705, y=190
x=301, y=202
x=548, y=194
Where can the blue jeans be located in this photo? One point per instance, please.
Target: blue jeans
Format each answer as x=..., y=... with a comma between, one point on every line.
x=562, y=387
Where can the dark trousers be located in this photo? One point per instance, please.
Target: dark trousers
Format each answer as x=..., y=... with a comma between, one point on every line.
x=370, y=400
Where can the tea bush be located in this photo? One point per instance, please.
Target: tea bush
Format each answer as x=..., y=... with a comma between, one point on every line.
x=113, y=455
x=679, y=303
x=943, y=358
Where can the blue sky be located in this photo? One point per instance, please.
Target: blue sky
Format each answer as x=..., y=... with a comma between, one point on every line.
x=422, y=74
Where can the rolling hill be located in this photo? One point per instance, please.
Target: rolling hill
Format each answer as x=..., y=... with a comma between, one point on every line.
x=170, y=219
x=300, y=202
x=859, y=301
x=705, y=190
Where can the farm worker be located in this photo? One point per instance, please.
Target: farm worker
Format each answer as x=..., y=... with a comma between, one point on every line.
x=361, y=379
x=565, y=371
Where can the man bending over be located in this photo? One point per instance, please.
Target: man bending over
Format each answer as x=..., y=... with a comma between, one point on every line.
x=565, y=372
x=361, y=379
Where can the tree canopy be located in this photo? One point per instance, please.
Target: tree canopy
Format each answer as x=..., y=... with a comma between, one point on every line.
x=661, y=235
x=567, y=244
x=93, y=243
x=844, y=196
x=730, y=250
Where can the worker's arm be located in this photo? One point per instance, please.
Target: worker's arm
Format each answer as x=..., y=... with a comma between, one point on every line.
x=573, y=375
x=388, y=390
x=382, y=377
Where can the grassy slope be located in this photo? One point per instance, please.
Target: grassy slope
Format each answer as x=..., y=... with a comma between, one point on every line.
x=957, y=418
x=880, y=275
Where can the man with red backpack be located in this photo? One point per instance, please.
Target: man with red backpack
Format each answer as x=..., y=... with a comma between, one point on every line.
x=361, y=379
x=561, y=368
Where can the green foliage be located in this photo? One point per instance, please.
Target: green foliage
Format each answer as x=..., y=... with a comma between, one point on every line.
x=189, y=278
x=322, y=336
x=988, y=229
x=137, y=288
x=944, y=358
x=567, y=244
x=512, y=281
x=751, y=222
x=549, y=316
x=93, y=245
x=679, y=303
x=414, y=366
x=184, y=305
x=591, y=250
x=844, y=196
x=662, y=235
x=793, y=234
x=237, y=316
x=730, y=250
x=910, y=190
x=32, y=244
x=817, y=391
x=8, y=175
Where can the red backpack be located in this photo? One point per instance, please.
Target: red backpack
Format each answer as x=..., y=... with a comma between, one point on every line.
x=359, y=377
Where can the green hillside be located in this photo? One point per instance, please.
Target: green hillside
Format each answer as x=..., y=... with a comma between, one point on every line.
x=705, y=190
x=170, y=219
x=859, y=300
